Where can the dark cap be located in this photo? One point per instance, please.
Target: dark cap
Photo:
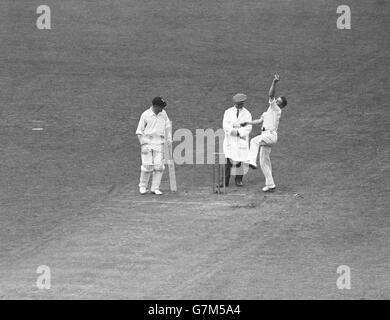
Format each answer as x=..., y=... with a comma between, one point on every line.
x=158, y=101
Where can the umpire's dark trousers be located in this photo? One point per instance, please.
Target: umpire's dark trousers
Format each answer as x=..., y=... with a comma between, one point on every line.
x=228, y=169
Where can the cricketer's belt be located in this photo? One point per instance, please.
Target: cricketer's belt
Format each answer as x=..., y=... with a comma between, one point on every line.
x=264, y=129
x=155, y=138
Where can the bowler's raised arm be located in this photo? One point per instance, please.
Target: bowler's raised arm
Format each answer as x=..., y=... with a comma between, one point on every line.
x=271, y=93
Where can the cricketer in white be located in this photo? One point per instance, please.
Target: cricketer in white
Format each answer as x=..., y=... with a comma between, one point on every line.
x=151, y=131
x=270, y=123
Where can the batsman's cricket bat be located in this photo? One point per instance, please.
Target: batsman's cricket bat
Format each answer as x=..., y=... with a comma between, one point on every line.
x=170, y=162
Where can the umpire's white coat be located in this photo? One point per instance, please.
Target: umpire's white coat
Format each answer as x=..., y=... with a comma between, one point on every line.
x=234, y=147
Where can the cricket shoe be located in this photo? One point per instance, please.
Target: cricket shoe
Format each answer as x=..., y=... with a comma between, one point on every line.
x=142, y=190
x=269, y=188
x=157, y=192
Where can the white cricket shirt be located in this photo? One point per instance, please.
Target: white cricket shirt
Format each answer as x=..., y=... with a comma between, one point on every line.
x=271, y=117
x=153, y=125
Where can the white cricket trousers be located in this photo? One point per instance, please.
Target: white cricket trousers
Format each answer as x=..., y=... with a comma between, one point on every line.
x=152, y=161
x=264, y=143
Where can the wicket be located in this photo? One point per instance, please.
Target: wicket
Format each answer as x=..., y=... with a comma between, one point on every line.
x=219, y=177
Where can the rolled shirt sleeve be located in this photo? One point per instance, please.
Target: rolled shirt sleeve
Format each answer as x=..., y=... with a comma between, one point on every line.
x=141, y=125
x=273, y=104
x=262, y=116
x=168, y=129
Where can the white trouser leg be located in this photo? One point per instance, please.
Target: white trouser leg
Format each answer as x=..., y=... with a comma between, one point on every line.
x=265, y=164
x=158, y=168
x=254, y=149
x=265, y=139
x=147, y=165
x=144, y=179
x=157, y=176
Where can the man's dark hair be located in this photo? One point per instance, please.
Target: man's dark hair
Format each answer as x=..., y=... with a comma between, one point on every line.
x=158, y=101
x=284, y=101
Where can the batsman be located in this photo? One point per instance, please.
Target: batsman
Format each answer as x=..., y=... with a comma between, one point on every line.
x=152, y=129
